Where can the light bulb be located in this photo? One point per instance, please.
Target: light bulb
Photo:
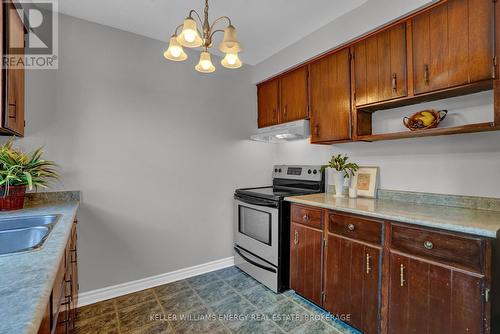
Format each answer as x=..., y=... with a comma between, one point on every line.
x=176, y=51
x=205, y=65
x=190, y=36
x=231, y=59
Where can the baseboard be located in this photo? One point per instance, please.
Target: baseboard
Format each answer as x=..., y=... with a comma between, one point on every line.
x=91, y=297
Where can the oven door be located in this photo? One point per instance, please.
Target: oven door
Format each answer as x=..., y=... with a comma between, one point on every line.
x=256, y=227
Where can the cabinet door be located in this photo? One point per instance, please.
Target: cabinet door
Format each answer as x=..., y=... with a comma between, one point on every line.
x=267, y=96
x=306, y=247
x=294, y=98
x=14, y=118
x=352, y=282
x=453, y=45
x=331, y=98
x=380, y=66
x=426, y=298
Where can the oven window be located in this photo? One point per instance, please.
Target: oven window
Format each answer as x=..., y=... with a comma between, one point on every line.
x=255, y=224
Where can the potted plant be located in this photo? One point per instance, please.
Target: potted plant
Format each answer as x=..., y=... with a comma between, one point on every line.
x=341, y=170
x=18, y=171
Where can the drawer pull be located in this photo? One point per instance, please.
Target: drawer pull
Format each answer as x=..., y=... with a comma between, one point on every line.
x=351, y=227
x=428, y=244
x=368, y=268
x=296, y=237
x=426, y=74
x=402, y=276
x=305, y=218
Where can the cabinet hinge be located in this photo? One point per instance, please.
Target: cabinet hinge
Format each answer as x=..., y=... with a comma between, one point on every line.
x=487, y=293
x=323, y=297
x=325, y=242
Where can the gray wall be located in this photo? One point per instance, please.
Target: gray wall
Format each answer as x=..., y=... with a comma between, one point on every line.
x=156, y=148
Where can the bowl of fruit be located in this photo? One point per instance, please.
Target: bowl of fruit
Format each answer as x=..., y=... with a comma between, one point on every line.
x=426, y=119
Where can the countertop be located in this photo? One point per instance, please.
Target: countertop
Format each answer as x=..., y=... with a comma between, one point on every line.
x=472, y=221
x=26, y=279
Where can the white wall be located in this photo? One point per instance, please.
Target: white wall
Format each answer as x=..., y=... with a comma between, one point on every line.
x=156, y=148
x=460, y=164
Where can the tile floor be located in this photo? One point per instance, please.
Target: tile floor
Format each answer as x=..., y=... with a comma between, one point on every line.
x=224, y=301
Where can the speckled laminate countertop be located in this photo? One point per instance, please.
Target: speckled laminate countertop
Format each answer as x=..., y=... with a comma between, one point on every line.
x=26, y=279
x=472, y=221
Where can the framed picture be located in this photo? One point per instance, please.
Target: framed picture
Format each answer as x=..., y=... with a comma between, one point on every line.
x=366, y=180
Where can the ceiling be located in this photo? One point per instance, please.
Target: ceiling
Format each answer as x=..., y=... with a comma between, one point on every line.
x=264, y=26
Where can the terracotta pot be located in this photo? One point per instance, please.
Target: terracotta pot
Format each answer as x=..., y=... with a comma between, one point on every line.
x=14, y=199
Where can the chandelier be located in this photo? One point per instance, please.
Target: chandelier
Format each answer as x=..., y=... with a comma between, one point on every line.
x=191, y=37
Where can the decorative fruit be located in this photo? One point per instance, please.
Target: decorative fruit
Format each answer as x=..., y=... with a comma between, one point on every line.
x=425, y=119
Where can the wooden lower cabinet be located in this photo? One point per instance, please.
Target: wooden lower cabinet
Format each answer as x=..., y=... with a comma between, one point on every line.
x=60, y=316
x=306, y=261
x=352, y=277
x=429, y=298
x=384, y=277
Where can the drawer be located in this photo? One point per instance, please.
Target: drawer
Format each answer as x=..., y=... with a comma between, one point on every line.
x=307, y=215
x=355, y=227
x=447, y=248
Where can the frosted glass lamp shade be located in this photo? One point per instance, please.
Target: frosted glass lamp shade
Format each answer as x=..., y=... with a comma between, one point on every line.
x=231, y=60
x=205, y=64
x=230, y=42
x=189, y=36
x=175, y=51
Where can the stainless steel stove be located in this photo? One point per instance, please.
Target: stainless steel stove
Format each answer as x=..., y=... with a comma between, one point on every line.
x=262, y=223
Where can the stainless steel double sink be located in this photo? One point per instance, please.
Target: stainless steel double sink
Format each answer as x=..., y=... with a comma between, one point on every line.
x=21, y=234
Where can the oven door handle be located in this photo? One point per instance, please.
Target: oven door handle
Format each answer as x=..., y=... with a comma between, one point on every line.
x=259, y=202
x=253, y=262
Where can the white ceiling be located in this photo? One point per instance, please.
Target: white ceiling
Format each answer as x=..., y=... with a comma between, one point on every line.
x=264, y=26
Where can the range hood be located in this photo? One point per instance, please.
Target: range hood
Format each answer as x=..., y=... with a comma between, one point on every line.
x=283, y=132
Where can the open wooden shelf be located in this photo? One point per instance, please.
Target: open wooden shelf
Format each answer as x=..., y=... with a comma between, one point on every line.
x=469, y=128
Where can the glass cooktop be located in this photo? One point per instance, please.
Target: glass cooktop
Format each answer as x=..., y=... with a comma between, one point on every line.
x=273, y=192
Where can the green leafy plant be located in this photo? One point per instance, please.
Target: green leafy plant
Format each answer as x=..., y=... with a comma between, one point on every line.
x=340, y=164
x=29, y=169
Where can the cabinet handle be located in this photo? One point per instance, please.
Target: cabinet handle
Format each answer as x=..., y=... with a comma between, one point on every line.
x=296, y=237
x=285, y=111
x=426, y=74
x=368, y=268
x=316, y=130
x=428, y=244
x=351, y=227
x=394, y=83
x=305, y=218
x=402, y=278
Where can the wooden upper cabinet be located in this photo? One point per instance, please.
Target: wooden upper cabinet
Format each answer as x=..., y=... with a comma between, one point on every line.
x=294, y=97
x=428, y=298
x=13, y=110
x=330, y=88
x=380, y=66
x=453, y=45
x=268, y=97
x=306, y=248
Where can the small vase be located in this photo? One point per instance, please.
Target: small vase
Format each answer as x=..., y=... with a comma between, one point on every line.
x=339, y=183
x=14, y=200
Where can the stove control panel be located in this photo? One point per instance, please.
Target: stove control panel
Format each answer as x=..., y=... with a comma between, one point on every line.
x=298, y=172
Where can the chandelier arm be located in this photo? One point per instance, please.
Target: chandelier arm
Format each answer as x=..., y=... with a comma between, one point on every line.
x=213, y=33
x=220, y=19
x=197, y=15
x=177, y=29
